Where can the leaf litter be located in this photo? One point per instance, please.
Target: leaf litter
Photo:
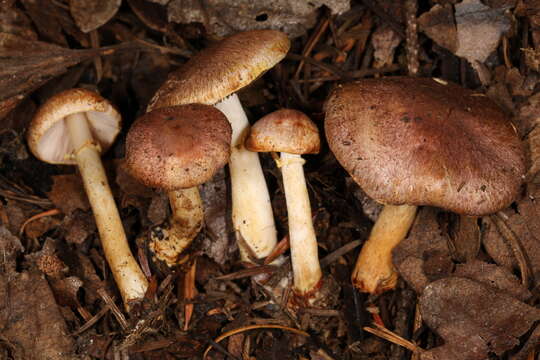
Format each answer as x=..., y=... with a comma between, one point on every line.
x=451, y=266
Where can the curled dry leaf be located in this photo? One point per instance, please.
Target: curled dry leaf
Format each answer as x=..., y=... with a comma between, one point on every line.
x=91, y=14
x=456, y=309
x=224, y=17
x=524, y=224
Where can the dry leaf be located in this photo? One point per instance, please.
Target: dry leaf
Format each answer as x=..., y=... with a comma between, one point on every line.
x=423, y=256
x=78, y=226
x=224, y=17
x=68, y=193
x=30, y=319
x=479, y=29
x=91, y=14
x=439, y=24
x=495, y=276
x=473, y=319
x=473, y=31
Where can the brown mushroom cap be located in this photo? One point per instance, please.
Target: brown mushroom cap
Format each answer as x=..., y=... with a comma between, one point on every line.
x=48, y=136
x=178, y=146
x=417, y=141
x=222, y=69
x=284, y=130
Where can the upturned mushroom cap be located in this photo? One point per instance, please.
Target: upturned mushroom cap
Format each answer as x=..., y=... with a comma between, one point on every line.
x=48, y=136
x=178, y=146
x=222, y=69
x=284, y=130
x=421, y=142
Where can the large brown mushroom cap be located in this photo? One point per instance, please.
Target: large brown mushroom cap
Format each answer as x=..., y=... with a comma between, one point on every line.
x=417, y=141
x=179, y=146
x=222, y=69
x=284, y=130
x=48, y=136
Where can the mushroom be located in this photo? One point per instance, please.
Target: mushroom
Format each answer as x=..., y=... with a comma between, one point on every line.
x=292, y=133
x=212, y=77
x=177, y=148
x=412, y=141
x=75, y=127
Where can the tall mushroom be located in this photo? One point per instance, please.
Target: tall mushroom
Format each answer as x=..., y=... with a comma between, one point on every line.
x=75, y=127
x=292, y=133
x=212, y=77
x=412, y=141
x=177, y=148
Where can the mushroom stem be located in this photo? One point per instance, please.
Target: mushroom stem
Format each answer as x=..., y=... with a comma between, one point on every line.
x=252, y=216
x=126, y=271
x=374, y=272
x=302, y=239
x=184, y=225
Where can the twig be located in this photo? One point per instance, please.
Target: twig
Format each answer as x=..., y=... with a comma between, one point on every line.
x=311, y=44
x=92, y=320
x=248, y=328
x=411, y=7
x=51, y=212
x=330, y=258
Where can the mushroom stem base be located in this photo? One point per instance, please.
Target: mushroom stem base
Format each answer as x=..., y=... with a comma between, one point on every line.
x=304, y=252
x=185, y=223
x=374, y=272
x=126, y=271
x=252, y=216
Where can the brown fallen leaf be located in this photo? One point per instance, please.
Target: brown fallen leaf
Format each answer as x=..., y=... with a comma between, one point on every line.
x=30, y=319
x=524, y=224
x=78, y=226
x=91, y=14
x=474, y=319
x=423, y=256
x=68, y=193
x=494, y=276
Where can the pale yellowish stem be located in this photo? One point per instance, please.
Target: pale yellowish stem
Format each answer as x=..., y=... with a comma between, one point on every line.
x=252, y=216
x=374, y=272
x=184, y=225
x=303, y=242
x=126, y=271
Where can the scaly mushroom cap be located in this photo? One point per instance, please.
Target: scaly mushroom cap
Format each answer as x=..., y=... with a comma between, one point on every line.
x=222, y=69
x=284, y=130
x=417, y=141
x=48, y=136
x=178, y=146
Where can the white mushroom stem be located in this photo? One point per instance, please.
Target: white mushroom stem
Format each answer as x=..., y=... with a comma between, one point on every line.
x=252, y=216
x=184, y=225
x=126, y=271
x=374, y=272
x=303, y=242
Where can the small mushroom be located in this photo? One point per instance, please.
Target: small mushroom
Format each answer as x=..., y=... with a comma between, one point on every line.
x=212, y=77
x=412, y=141
x=75, y=127
x=177, y=148
x=292, y=133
